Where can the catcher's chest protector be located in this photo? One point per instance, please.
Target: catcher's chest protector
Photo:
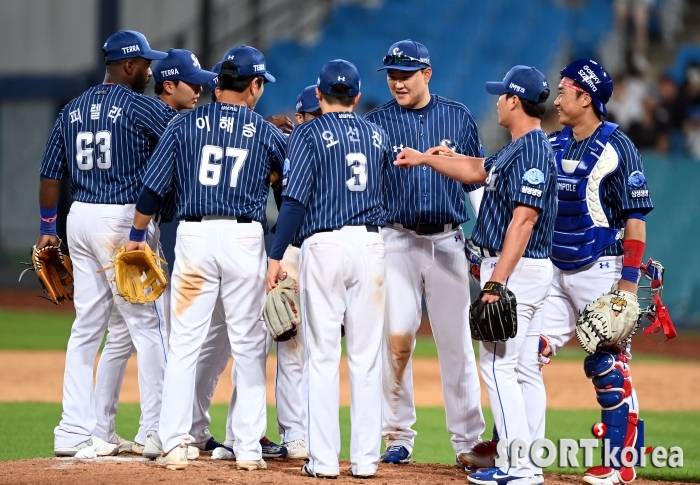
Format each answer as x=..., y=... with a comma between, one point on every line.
x=582, y=231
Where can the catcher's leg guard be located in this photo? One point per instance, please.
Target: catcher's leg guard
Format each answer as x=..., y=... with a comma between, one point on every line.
x=610, y=377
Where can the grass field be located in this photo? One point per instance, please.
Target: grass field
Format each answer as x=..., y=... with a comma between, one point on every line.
x=27, y=428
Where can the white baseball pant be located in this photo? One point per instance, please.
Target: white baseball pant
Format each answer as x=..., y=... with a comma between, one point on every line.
x=510, y=369
x=434, y=264
x=95, y=232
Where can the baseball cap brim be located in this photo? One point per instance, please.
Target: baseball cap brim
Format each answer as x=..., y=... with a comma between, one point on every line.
x=269, y=77
x=601, y=107
x=403, y=68
x=200, y=77
x=153, y=55
x=495, y=87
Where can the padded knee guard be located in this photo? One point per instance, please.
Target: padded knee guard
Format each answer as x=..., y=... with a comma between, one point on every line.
x=613, y=385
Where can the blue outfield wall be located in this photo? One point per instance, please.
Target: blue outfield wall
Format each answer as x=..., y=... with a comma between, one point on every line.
x=673, y=230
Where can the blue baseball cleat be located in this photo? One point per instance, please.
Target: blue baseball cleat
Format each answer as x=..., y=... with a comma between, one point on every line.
x=496, y=476
x=208, y=446
x=397, y=455
x=272, y=450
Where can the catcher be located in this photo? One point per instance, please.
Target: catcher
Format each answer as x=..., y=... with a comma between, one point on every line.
x=513, y=234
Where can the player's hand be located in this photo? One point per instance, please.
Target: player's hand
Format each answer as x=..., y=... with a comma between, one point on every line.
x=133, y=245
x=408, y=158
x=282, y=122
x=625, y=285
x=490, y=298
x=441, y=150
x=274, y=274
x=46, y=240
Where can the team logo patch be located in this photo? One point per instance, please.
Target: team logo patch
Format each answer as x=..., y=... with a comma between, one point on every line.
x=286, y=167
x=446, y=142
x=534, y=176
x=636, y=179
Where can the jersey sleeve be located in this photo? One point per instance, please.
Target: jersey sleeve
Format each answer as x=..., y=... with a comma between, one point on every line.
x=470, y=144
x=629, y=182
x=152, y=116
x=277, y=147
x=298, y=173
x=54, y=163
x=161, y=165
x=529, y=173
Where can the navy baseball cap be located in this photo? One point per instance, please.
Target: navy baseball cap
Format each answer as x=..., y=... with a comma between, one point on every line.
x=594, y=79
x=307, y=102
x=249, y=60
x=182, y=65
x=523, y=81
x=214, y=83
x=406, y=55
x=127, y=44
x=339, y=72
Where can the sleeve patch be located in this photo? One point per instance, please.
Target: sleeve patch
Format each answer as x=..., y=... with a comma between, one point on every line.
x=286, y=168
x=640, y=194
x=531, y=191
x=534, y=176
x=636, y=180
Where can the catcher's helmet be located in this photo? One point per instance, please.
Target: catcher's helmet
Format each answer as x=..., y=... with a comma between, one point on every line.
x=594, y=79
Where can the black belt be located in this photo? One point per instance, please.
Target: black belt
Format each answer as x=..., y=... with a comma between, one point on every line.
x=424, y=228
x=240, y=220
x=369, y=227
x=489, y=253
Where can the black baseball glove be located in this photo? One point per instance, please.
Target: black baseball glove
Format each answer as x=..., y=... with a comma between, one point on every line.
x=497, y=321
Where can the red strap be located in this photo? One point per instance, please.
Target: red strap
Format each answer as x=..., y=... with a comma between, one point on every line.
x=662, y=322
x=634, y=251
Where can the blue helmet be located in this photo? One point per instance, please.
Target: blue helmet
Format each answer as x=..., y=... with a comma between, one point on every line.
x=594, y=79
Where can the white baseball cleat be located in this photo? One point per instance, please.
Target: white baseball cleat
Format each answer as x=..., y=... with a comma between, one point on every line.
x=137, y=448
x=98, y=446
x=124, y=446
x=251, y=465
x=154, y=448
x=296, y=450
x=176, y=459
x=223, y=453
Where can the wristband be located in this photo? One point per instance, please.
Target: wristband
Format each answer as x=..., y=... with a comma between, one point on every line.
x=137, y=235
x=633, y=253
x=48, y=216
x=630, y=274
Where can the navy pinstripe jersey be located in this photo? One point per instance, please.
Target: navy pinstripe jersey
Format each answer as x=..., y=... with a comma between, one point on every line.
x=422, y=194
x=621, y=192
x=336, y=166
x=522, y=172
x=218, y=159
x=102, y=141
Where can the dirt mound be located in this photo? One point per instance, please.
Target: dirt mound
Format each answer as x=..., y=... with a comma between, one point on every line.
x=133, y=469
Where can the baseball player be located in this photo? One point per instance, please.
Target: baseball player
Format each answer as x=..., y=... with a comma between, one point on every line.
x=334, y=196
x=599, y=241
x=102, y=140
x=307, y=106
x=219, y=157
x=514, y=233
x=425, y=255
x=178, y=84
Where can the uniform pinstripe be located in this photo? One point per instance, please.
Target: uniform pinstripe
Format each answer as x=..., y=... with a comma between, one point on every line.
x=336, y=166
x=218, y=158
x=236, y=183
x=506, y=187
x=425, y=195
x=434, y=264
x=102, y=140
x=320, y=153
x=617, y=197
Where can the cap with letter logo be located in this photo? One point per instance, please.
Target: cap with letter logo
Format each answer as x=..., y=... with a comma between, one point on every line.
x=339, y=72
x=182, y=65
x=307, y=102
x=594, y=79
x=249, y=62
x=214, y=83
x=127, y=44
x=406, y=55
x=523, y=81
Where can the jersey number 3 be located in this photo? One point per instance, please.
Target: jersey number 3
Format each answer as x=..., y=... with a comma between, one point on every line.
x=358, y=165
x=85, y=153
x=210, y=170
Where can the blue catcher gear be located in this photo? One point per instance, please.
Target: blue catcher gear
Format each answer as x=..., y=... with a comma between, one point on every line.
x=609, y=372
x=594, y=79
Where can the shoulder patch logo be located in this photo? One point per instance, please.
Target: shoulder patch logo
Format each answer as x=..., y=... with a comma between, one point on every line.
x=636, y=179
x=534, y=176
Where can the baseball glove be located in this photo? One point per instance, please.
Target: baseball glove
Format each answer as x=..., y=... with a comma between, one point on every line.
x=609, y=320
x=497, y=321
x=282, y=311
x=55, y=272
x=138, y=275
